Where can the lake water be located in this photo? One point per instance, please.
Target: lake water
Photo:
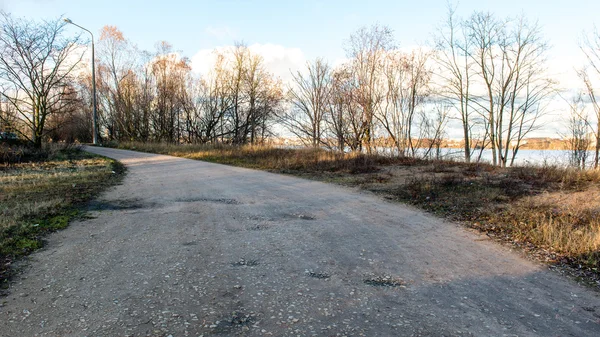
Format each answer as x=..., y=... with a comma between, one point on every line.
x=523, y=158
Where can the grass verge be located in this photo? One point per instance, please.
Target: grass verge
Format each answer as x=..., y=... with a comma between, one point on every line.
x=41, y=193
x=551, y=213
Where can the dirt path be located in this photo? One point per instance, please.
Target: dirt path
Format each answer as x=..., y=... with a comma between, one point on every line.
x=187, y=248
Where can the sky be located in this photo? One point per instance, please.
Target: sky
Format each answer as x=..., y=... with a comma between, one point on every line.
x=288, y=33
x=315, y=28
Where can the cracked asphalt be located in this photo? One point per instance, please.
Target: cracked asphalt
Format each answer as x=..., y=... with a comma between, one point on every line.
x=188, y=248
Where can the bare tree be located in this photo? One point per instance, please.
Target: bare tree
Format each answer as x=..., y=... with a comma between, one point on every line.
x=269, y=105
x=416, y=91
x=511, y=59
x=73, y=124
x=206, y=101
x=170, y=74
x=9, y=118
x=432, y=129
x=578, y=139
x=215, y=101
x=485, y=31
x=309, y=97
x=525, y=87
x=240, y=82
x=335, y=121
x=239, y=55
x=344, y=117
x=454, y=48
x=391, y=114
x=590, y=75
x=255, y=77
x=406, y=86
x=36, y=63
x=118, y=84
x=437, y=130
x=239, y=98
x=367, y=49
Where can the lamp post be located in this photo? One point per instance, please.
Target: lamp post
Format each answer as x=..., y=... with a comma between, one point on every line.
x=95, y=136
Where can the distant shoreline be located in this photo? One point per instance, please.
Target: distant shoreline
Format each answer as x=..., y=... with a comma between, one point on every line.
x=534, y=143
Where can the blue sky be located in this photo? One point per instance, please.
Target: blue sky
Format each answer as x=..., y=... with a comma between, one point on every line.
x=318, y=28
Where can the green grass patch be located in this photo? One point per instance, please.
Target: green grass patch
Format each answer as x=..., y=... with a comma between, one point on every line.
x=44, y=193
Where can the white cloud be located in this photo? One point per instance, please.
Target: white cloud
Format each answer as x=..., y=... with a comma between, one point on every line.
x=279, y=60
x=204, y=59
x=221, y=33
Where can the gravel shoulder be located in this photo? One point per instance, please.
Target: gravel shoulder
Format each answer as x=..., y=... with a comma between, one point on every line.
x=188, y=248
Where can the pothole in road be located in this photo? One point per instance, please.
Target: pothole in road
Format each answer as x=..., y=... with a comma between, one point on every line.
x=258, y=227
x=117, y=205
x=213, y=200
x=244, y=262
x=237, y=319
x=318, y=275
x=385, y=281
x=300, y=216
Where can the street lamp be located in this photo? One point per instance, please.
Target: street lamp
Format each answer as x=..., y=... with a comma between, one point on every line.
x=95, y=137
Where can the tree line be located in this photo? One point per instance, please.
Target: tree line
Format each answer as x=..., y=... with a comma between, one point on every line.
x=156, y=97
x=485, y=73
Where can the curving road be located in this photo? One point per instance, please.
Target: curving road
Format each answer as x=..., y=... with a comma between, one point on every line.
x=188, y=248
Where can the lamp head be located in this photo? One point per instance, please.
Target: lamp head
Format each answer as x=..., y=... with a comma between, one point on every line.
x=67, y=20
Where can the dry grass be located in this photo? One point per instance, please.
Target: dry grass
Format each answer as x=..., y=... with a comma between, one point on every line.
x=551, y=212
x=568, y=223
x=42, y=195
x=275, y=159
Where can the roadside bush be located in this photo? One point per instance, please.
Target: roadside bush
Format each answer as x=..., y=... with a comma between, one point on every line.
x=25, y=153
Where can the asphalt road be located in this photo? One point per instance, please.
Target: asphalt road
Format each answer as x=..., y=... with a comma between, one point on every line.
x=187, y=248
